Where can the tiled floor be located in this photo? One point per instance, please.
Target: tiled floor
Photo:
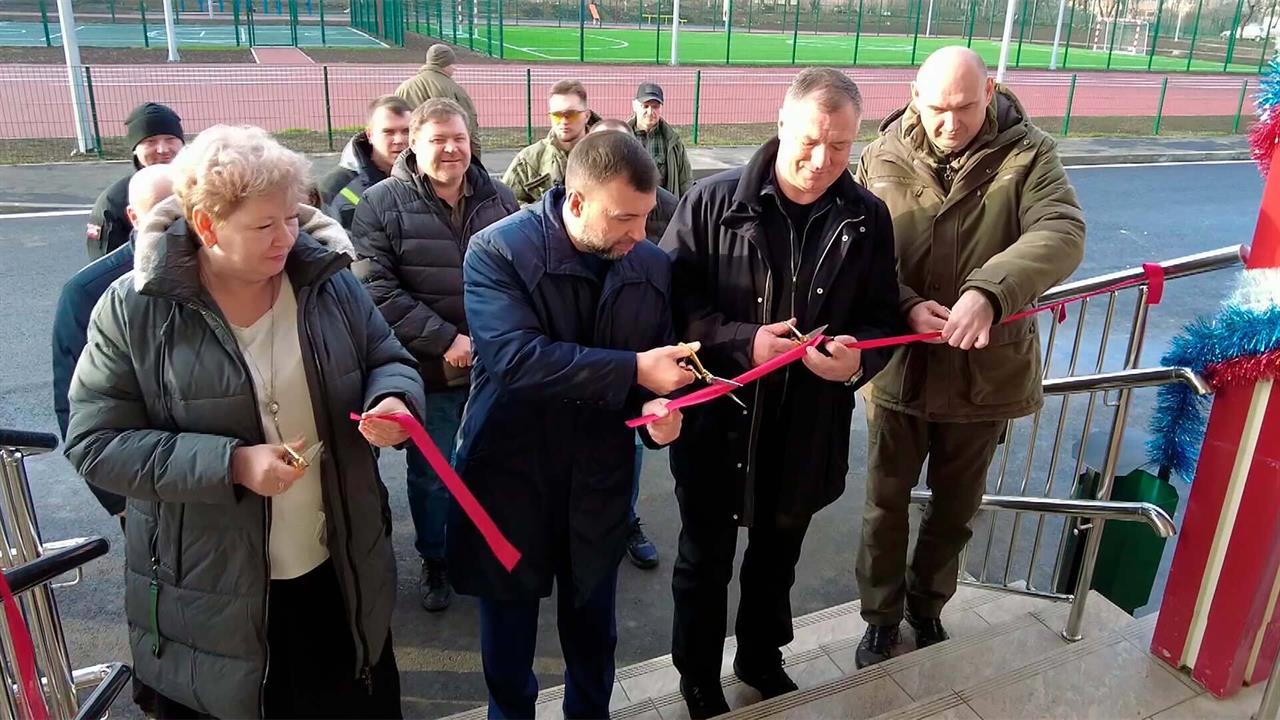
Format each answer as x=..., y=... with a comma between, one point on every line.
x=1116, y=681
x=1206, y=707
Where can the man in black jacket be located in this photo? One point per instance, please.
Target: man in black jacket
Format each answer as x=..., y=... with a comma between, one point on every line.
x=411, y=232
x=155, y=137
x=789, y=237
x=367, y=159
x=571, y=310
x=146, y=188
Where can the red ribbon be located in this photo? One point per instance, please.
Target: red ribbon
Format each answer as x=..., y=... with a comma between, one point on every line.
x=30, y=695
x=503, y=550
x=1153, y=277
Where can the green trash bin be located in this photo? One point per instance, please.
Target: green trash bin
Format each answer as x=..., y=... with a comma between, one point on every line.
x=1129, y=555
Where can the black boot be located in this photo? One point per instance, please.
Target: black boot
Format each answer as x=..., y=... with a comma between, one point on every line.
x=705, y=700
x=876, y=646
x=929, y=631
x=770, y=681
x=436, y=591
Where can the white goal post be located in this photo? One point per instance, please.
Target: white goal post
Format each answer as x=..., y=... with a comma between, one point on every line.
x=1130, y=36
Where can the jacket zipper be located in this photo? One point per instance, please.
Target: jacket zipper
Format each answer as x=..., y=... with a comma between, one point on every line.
x=218, y=325
x=749, y=499
x=365, y=672
x=795, y=274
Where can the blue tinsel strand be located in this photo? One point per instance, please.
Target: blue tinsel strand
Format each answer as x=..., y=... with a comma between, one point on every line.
x=1268, y=95
x=1177, y=427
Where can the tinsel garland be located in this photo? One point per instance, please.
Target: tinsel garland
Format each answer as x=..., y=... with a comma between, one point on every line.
x=1265, y=133
x=1244, y=370
x=1234, y=336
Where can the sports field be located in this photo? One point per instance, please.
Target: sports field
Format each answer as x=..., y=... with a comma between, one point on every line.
x=123, y=35
x=631, y=45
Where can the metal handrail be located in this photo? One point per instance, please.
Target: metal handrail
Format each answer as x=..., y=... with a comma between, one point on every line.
x=1139, y=378
x=1154, y=516
x=1185, y=266
x=1100, y=509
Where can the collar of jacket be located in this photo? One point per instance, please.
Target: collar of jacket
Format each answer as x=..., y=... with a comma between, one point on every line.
x=663, y=129
x=755, y=182
x=166, y=260
x=478, y=181
x=357, y=156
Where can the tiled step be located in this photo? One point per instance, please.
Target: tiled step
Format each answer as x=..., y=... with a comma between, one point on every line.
x=1020, y=631
x=644, y=689
x=1108, y=675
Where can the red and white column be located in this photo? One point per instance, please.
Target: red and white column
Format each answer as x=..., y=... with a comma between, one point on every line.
x=1219, y=614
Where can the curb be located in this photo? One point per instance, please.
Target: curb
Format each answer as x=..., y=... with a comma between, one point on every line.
x=1150, y=158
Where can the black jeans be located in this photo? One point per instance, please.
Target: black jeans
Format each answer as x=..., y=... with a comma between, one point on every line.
x=700, y=585
x=313, y=658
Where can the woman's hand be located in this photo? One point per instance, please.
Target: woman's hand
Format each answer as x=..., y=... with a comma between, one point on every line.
x=265, y=469
x=381, y=432
x=666, y=428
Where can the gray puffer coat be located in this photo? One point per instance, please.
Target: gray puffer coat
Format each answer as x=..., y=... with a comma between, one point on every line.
x=162, y=396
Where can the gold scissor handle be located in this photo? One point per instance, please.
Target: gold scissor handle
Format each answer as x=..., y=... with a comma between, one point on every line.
x=698, y=369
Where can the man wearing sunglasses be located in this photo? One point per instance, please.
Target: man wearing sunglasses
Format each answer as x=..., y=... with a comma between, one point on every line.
x=540, y=167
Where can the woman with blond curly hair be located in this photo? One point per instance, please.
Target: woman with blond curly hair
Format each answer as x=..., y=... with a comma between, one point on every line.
x=214, y=394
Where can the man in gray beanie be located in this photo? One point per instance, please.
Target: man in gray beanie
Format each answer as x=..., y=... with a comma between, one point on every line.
x=435, y=80
x=155, y=137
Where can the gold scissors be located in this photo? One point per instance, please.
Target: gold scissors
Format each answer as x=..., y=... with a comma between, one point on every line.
x=705, y=375
x=302, y=460
x=800, y=338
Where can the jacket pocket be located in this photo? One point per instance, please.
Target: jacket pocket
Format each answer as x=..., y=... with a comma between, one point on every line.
x=1007, y=373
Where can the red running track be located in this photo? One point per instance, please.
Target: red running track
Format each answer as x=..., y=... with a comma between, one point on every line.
x=35, y=99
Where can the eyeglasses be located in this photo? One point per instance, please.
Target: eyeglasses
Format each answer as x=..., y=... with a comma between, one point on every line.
x=565, y=115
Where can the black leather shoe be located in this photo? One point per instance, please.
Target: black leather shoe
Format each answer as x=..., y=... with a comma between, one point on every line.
x=704, y=701
x=437, y=593
x=929, y=631
x=770, y=682
x=877, y=643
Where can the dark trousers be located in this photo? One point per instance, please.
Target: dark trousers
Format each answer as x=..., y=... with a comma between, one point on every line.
x=588, y=638
x=428, y=497
x=700, y=585
x=959, y=455
x=312, y=673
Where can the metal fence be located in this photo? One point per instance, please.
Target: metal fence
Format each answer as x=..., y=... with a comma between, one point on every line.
x=200, y=24
x=316, y=108
x=1148, y=35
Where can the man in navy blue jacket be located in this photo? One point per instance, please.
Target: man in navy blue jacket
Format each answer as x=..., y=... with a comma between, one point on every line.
x=80, y=294
x=570, y=314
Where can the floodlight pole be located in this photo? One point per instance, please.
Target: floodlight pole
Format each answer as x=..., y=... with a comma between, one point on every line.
x=1057, y=35
x=675, y=32
x=170, y=32
x=75, y=77
x=1004, y=40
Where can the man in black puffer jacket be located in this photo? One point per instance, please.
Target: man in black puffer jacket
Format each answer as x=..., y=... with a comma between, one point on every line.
x=411, y=232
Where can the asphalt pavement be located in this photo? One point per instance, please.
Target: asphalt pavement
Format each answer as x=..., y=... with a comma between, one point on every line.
x=1135, y=214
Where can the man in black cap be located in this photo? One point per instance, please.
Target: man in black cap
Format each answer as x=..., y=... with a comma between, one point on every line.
x=155, y=136
x=660, y=139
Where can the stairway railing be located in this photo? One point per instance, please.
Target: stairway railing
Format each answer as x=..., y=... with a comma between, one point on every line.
x=29, y=566
x=997, y=556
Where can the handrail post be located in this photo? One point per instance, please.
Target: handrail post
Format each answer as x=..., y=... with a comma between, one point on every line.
x=1270, y=707
x=1093, y=538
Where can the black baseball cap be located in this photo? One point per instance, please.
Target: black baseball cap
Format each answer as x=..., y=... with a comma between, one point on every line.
x=649, y=91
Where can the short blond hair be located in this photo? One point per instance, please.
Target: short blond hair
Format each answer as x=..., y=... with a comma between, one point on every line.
x=439, y=109
x=226, y=165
